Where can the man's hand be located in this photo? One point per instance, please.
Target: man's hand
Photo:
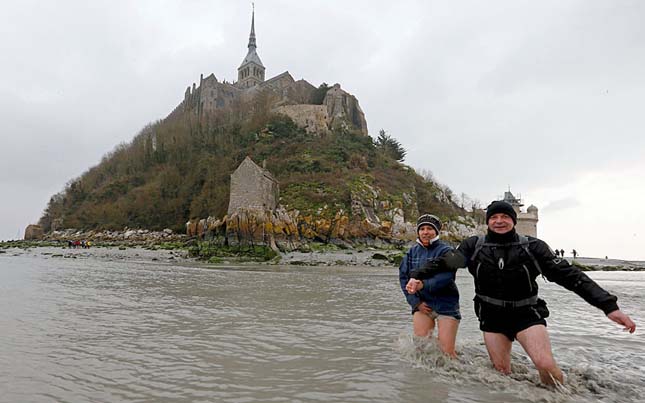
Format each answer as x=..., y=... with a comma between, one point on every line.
x=413, y=286
x=622, y=319
x=427, y=270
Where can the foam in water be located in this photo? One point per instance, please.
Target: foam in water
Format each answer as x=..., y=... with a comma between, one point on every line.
x=473, y=367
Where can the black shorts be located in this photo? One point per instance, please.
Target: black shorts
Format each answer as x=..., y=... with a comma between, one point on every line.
x=507, y=321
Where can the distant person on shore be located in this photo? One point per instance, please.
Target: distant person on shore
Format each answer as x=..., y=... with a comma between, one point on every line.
x=574, y=253
x=504, y=266
x=562, y=253
x=557, y=253
x=433, y=300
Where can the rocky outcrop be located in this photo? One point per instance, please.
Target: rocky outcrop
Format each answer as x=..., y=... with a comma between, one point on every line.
x=374, y=217
x=34, y=232
x=273, y=228
x=290, y=230
x=127, y=235
x=463, y=227
x=339, y=110
x=343, y=109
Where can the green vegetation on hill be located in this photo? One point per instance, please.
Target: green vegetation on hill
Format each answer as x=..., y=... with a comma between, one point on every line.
x=179, y=168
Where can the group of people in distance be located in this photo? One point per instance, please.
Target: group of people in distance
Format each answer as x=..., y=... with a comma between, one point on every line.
x=79, y=244
x=504, y=266
x=560, y=253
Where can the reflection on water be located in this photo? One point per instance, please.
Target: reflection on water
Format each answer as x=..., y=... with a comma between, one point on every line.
x=90, y=330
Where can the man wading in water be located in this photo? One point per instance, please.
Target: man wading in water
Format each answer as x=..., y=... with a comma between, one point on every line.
x=504, y=266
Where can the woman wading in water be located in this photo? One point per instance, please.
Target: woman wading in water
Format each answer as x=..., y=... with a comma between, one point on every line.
x=434, y=300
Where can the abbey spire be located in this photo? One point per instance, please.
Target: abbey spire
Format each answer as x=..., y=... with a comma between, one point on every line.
x=252, y=35
x=251, y=71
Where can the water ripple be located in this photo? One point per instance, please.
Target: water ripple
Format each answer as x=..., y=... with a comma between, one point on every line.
x=104, y=331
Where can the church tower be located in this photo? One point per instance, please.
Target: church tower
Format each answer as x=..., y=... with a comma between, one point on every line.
x=251, y=71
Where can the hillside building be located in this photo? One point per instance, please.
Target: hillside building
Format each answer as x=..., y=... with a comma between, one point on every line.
x=338, y=108
x=252, y=187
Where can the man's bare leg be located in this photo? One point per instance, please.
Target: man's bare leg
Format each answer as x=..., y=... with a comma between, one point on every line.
x=447, y=335
x=535, y=341
x=422, y=324
x=499, y=351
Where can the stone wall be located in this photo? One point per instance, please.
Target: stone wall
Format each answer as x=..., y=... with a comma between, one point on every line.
x=313, y=118
x=214, y=95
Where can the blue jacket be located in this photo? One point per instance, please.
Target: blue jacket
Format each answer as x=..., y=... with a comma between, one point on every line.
x=439, y=291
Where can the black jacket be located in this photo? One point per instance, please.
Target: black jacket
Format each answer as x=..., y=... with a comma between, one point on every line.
x=506, y=272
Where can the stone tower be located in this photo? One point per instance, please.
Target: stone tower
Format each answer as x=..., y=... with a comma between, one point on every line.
x=251, y=71
x=526, y=222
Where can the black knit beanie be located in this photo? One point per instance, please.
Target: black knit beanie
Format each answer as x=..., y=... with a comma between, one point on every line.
x=500, y=206
x=429, y=219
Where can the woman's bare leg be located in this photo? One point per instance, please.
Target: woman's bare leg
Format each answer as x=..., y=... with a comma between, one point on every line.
x=448, y=335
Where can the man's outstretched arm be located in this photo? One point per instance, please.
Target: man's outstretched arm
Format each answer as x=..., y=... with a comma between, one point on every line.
x=572, y=278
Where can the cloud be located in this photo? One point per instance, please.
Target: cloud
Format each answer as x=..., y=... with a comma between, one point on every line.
x=561, y=204
x=602, y=215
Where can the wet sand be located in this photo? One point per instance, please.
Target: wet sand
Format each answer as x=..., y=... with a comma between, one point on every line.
x=370, y=257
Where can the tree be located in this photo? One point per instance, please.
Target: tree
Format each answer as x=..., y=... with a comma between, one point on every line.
x=426, y=174
x=390, y=146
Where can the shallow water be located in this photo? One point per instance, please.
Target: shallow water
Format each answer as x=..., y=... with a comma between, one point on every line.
x=105, y=330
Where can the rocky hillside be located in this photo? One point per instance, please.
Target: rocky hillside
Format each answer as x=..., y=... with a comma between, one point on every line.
x=336, y=184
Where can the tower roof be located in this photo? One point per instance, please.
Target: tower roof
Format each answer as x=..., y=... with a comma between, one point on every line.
x=510, y=198
x=252, y=56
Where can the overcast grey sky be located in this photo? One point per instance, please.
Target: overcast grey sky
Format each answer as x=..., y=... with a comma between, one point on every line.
x=544, y=97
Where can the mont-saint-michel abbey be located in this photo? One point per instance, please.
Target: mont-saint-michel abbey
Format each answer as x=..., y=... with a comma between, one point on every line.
x=219, y=162
x=255, y=187
x=286, y=96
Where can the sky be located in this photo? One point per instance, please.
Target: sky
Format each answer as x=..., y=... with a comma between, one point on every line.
x=544, y=98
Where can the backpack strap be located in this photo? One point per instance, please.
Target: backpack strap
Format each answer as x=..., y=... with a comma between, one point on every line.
x=523, y=242
x=478, y=246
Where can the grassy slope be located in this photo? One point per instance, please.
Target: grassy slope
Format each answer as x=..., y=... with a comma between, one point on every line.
x=186, y=174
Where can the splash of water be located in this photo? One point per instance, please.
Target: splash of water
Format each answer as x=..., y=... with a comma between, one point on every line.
x=473, y=366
